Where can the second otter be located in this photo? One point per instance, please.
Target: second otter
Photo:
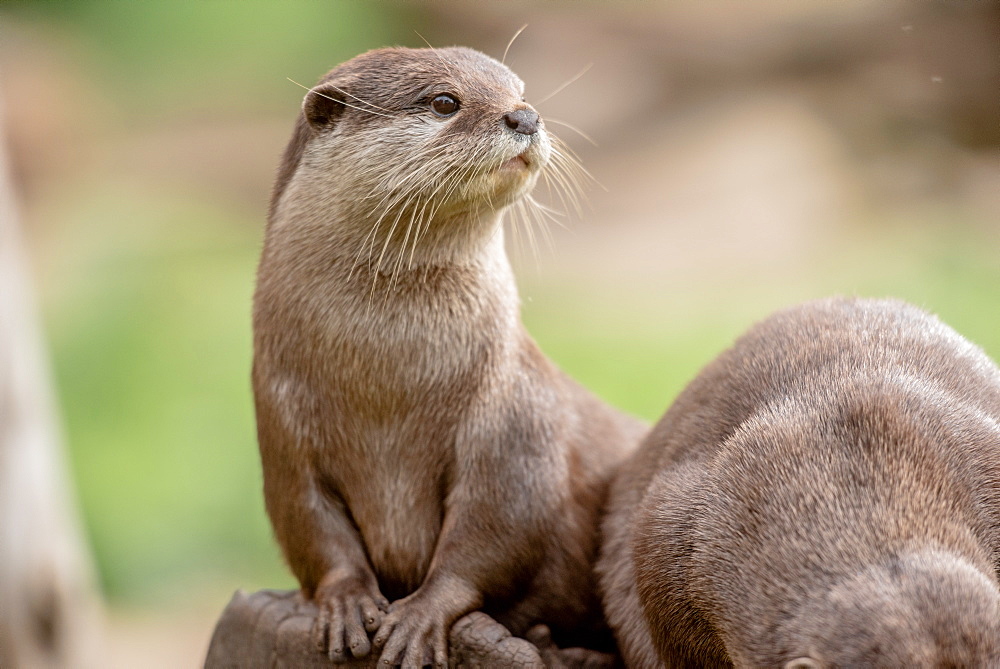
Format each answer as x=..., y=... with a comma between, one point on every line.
x=826, y=493
x=415, y=442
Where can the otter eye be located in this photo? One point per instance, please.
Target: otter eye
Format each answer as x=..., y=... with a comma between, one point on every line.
x=444, y=105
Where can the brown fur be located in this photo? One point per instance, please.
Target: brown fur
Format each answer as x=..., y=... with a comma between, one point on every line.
x=827, y=491
x=415, y=442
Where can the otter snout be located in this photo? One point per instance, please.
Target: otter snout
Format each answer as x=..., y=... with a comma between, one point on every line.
x=524, y=121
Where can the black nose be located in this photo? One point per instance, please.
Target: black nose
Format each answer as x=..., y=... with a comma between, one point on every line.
x=524, y=121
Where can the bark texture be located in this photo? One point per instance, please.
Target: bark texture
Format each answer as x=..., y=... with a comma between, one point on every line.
x=272, y=629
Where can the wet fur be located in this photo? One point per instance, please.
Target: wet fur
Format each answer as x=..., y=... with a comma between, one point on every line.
x=415, y=442
x=826, y=490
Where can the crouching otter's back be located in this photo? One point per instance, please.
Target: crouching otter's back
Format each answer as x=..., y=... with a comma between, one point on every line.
x=827, y=492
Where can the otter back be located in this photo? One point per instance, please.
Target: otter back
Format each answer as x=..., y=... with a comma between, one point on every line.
x=825, y=493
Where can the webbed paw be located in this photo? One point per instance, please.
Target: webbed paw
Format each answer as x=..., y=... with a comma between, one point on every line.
x=349, y=610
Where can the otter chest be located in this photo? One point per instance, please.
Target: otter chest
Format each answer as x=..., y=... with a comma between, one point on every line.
x=396, y=498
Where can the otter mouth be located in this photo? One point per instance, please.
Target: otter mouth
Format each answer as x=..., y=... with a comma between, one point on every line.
x=519, y=162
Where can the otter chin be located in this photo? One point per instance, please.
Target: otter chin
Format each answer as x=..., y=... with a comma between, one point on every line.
x=517, y=163
x=417, y=447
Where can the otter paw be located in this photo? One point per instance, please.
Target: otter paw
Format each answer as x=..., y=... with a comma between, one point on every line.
x=412, y=638
x=348, y=612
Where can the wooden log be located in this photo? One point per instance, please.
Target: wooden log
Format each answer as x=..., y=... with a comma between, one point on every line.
x=271, y=629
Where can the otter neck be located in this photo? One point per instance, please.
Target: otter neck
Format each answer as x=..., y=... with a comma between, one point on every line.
x=393, y=243
x=413, y=242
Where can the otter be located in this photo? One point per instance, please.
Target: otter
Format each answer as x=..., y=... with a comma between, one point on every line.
x=825, y=493
x=416, y=445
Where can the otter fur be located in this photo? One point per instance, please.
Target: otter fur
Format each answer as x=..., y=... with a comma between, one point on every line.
x=826, y=493
x=417, y=447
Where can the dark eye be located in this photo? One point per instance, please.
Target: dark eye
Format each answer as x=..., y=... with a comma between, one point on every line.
x=444, y=105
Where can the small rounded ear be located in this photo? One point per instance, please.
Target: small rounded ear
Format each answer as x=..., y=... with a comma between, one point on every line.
x=803, y=663
x=322, y=106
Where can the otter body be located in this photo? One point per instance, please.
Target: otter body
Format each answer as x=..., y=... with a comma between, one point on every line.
x=826, y=493
x=416, y=445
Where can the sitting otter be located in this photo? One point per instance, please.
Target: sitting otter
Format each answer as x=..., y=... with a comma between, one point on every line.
x=416, y=444
x=825, y=493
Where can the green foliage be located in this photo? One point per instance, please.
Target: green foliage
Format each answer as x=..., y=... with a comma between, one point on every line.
x=638, y=346
x=160, y=55
x=152, y=345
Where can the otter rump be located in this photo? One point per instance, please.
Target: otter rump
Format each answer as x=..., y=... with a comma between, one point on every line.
x=416, y=445
x=826, y=493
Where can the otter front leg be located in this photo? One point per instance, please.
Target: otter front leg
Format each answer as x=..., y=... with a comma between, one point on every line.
x=350, y=608
x=323, y=549
x=491, y=541
x=415, y=632
x=325, y=552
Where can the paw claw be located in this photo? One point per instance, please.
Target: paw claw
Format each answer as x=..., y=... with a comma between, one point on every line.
x=339, y=631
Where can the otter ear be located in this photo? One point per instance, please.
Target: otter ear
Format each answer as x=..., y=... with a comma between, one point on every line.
x=322, y=106
x=802, y=663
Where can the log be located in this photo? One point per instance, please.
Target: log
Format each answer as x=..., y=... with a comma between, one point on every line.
x=271, y=628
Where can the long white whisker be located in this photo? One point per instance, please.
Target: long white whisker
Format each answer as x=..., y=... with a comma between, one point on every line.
x=352, y=95
x=560, y=89
x=519, y=31
x=549, y=119
x=446, y=64
x=367, y=111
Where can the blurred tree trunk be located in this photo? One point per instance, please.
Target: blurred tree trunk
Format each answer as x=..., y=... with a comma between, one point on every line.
x=49, y=611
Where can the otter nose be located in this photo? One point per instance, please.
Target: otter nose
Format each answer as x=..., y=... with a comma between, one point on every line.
x=524, y=121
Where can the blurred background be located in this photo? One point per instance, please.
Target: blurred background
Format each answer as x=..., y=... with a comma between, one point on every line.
x=746, y=156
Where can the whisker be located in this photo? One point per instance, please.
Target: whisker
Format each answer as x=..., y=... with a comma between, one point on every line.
x=569, y=158
x=392, y=229
x=371, y=238
x=542, y=222
x=516, y=225
x=519, y=31
x=526, y=222
x=567, y=185
x=549, y=119
x=378, y=263
x=559, y=90
x=550, y=214
x=416, y=205
x=393, y=195
x=351, y=95
x=423, y=217
x=367, y=111
x=429, y=46
x=411, y=169
x=532, y=242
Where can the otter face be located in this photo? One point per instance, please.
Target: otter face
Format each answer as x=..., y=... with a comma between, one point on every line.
x=927, y=609
x=417, y=142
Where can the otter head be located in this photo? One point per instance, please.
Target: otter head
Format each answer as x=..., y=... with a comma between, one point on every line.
x=922, y=609
x=412, y=150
